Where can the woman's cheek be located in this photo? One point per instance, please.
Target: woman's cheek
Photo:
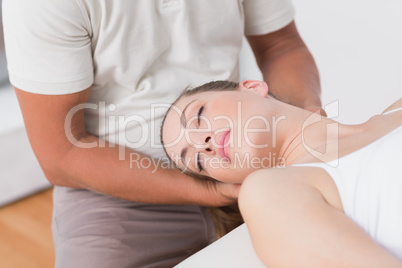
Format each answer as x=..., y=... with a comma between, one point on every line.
x=219, y=170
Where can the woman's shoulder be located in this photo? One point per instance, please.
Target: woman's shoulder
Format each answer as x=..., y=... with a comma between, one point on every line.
x=312, y=178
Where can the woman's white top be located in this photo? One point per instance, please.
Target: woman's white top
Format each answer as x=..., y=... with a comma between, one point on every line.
x=369, y=183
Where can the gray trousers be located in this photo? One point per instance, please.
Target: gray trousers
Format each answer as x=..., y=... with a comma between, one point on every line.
x=96, y=230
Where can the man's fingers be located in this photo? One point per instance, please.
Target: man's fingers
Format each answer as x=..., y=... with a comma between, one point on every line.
x=317, y=110
x=229, y=190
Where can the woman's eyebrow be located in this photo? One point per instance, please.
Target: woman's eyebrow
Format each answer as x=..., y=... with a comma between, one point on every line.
x=182, y=116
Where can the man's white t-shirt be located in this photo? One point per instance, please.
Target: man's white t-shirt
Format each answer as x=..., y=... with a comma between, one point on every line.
x=138, y=55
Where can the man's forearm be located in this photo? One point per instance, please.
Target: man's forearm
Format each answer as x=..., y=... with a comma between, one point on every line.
x=288, y=67
x=293, y=77
x=136, y=177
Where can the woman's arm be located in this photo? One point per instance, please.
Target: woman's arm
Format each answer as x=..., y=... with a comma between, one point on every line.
x=395, y=105
x=292, y=225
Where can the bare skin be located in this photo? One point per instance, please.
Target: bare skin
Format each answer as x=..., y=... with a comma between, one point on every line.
x=317, y=234
x=285, y=131
x=320, y=234
x=286, y=63
x=307, y=193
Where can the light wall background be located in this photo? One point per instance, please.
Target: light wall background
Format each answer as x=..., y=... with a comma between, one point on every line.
x=357, y=45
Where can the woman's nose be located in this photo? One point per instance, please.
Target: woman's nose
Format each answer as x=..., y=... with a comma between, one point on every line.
x=202, y=142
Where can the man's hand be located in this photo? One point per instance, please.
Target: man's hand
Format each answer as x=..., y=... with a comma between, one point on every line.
x=222, y=194
x=316, y=109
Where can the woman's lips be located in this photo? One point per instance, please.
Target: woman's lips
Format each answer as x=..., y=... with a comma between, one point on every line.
x=223, y=143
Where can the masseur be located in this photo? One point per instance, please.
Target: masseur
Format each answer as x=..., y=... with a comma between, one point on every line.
x=122, y=60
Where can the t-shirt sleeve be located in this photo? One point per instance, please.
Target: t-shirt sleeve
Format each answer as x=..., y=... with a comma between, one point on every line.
x=266, y=16
x=48, y=46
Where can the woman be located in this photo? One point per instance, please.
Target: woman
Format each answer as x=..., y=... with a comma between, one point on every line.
x=315, y=193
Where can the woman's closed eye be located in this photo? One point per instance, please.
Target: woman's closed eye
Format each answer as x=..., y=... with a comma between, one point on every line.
x=199, y=114
x=199, y=163
x=199, y=122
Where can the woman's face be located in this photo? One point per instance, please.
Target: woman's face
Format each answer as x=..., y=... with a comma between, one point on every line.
x=221, y=134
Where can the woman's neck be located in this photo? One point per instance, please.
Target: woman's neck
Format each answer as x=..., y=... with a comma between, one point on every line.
x=310, y=137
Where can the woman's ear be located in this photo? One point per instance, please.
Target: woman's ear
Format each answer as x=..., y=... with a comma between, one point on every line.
x=259, y=87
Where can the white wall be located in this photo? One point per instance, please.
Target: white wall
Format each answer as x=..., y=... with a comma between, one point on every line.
x=357, y=45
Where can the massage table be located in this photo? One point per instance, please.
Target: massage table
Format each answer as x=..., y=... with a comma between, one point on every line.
x=233, y=250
